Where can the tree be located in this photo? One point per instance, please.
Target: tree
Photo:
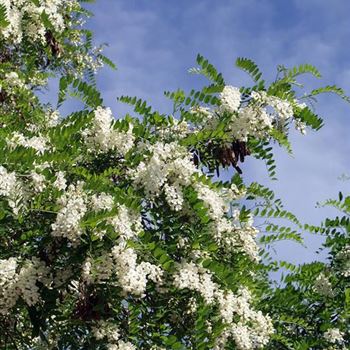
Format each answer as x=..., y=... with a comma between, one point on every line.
x=115, y=234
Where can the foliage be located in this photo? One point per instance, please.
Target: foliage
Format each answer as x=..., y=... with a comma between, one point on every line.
x=311, y=306
x=116, y=234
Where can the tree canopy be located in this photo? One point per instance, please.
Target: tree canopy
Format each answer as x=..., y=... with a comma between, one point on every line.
x=121, y=234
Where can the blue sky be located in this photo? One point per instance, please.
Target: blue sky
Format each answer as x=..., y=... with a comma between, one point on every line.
x=154, y=43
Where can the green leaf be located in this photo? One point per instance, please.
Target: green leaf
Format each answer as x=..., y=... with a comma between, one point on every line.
x=250, y=67
x=210, y=71
x=3, y=16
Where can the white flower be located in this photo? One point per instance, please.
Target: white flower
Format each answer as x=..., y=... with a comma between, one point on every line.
x=343, y=256
x=242, y=337
x=86, y=273
x=230, y=98
x=39, y=143
x=22, y=284
x=53, y=118
x=251, y=121
x=127, y=223
x=104, y=329
x=212, y=200
x=73, y=208
x=300, y=105
x=300, y=126
x=323, y=286
x=132, y=277
x=282, y=107
x=121, y=346
x=14, y=80
x=60, y=183
x=34, y=270
x=25, y=20
x=98, y=270
x=168, y=169
x=11, y=189
x=102, y=137
x=253, y=328
x=8, y=279
x=194, y=277
x=174, y=196
x=102, y=201
x=334, y=335
x=38, y=181
x=205, y=111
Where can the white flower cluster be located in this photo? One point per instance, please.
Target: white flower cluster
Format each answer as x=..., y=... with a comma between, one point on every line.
x=14, y=285
x=247, y=241
x=13, y=82
x=39, y=143
x=282, y=108
x=11, y=189
x=215, y=203
x=101, y=201
x=52, y=118
x=176, y=130
x=229, y=233
x=73, y=205
x=25, y=20
x=110, y=331
x=102, y=137
x=206, y=115
x=343, y=256
x=33, y=270
x=230, y=99
x=93, y=61
x=334, y=335
x=237, y=237
x=253, y=329
x=323, y=286
x=99, y=270
x=39, y=181
x=174, y=196
x=127, y=223
x=8, y=292
x=131, y=276
x=60, y=182
x=169, y=168
x=121, y=345
x=249, y=118
x=250, y=121
x=194, y=277
x=246, y=120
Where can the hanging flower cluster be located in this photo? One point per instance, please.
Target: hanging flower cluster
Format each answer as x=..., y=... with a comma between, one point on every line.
x=102, y=136
x=21, y=284
x=253, y=116
x=25, y=18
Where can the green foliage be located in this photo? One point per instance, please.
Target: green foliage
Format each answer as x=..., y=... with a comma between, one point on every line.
x=3, y=16
x=314, y=297
x=79, y=89
x=309, y=118
x=292, y=73
x=250, y=67
x=330, y=89
x=210, y=71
